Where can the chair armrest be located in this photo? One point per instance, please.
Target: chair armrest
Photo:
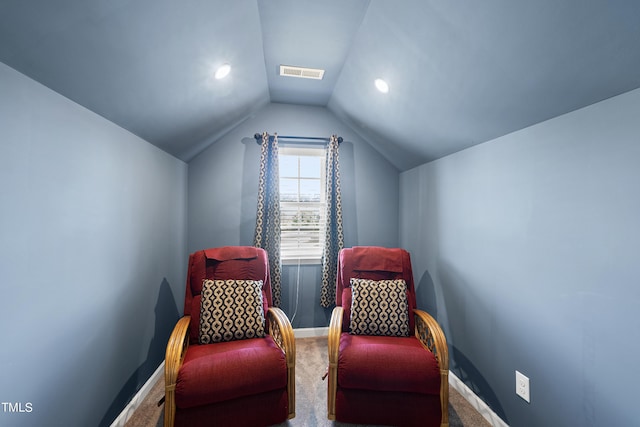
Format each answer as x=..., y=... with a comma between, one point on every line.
x=430, y=334
x=432, y=337
x=335, y=330
x=176, y=349
x=282, y=333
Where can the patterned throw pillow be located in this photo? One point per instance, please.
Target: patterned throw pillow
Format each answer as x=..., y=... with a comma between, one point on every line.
x=379, y=307
x=231, y=310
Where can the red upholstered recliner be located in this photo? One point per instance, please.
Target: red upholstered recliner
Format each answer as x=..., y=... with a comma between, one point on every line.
x=376, y=377
x=234, y=382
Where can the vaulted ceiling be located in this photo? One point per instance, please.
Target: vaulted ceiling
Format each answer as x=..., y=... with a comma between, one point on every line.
x=460, y=72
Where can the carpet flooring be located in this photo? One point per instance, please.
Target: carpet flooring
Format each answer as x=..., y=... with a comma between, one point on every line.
x=311, y=395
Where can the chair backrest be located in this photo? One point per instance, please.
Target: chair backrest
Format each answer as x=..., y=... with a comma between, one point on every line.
x=229, y=262
x=374, y=263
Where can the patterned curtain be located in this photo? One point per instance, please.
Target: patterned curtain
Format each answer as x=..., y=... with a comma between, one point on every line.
x=267, y=234
x=334, y=239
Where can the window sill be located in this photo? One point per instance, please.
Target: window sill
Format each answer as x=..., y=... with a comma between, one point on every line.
x=301, y=261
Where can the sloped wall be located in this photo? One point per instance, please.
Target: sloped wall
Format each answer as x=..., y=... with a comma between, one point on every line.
x=526, y=249
x=92, y=254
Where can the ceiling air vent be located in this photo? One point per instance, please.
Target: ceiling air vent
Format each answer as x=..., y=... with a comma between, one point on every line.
x=301, y=72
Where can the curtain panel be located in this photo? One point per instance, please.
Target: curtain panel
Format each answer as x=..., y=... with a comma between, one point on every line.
x=334, y=238
x=267, y=234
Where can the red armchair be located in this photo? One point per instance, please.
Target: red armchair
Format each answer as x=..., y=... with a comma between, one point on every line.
x=230, y=360
x=388, y=361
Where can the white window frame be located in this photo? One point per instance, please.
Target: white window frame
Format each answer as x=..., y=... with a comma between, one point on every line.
x=293, y=248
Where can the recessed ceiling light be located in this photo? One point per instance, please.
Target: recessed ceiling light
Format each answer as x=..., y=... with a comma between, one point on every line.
x=223, y=71
x=382, y=86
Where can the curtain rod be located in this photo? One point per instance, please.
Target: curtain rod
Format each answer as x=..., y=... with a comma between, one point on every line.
x=258, y=137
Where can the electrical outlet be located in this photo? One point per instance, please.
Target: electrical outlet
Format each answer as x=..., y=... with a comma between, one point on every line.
x=522, y=386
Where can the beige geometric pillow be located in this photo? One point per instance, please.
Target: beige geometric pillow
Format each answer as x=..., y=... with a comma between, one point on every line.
x=379, y=307
x=230, y=310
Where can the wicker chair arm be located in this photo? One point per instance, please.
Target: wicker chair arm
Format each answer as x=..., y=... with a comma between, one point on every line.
x=430, y=334
x=335, y=330
x=176, y=349
x=282, y=333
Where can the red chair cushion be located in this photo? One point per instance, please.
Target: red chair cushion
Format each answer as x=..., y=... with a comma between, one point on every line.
x=388, y=408
x=228, y=370
x=265, y=409
x=387, y=364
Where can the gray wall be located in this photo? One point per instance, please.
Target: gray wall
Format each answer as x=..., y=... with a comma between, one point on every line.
x=526, y=248
x=92, y=254
x=223, y=185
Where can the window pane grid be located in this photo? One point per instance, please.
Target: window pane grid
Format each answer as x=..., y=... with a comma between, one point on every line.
x=302, y=205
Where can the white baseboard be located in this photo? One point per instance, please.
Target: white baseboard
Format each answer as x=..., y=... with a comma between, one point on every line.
x=128, y=411
x=311, y=332
x=477, y=403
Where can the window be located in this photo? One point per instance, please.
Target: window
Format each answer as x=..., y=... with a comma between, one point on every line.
x=302, y=203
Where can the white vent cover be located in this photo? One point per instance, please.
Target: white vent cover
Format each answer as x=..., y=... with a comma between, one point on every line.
x=301, y=72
